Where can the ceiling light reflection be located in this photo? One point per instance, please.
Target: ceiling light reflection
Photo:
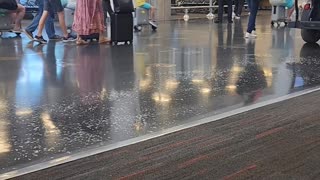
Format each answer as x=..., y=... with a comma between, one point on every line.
x=24, y=112
x=161, y=97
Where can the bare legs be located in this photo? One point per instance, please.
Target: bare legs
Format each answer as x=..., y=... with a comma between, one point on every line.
x=18, y=16
x=61, y=22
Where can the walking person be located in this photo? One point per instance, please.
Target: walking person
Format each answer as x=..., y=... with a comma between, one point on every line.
x=89, y=19
x=55, y=6
x=221, y=9
x=251, y=30
x=49, y=25
x=238, y=6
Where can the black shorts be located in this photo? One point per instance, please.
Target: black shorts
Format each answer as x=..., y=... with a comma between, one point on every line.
x=52, y=5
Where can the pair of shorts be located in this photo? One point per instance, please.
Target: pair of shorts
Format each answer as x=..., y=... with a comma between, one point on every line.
x=53, y=5
x=146, y=6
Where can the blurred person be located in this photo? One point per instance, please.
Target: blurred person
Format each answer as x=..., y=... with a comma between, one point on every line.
x=251, y=30
x=49, y=25
x=89, y=19
x=238, y=8
x=149, y=7
x=221, y=9
x=55, y=6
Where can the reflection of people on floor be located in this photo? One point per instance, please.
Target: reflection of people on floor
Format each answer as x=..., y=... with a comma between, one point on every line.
x=251, y=79
x=91, y=77
x=224, y=57
x=306, y=72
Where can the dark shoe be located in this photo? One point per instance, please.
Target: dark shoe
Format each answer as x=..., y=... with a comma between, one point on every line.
x=55, y=38
x=29, y=34
x=69, y=39
x=230, y=21
x=40, y=39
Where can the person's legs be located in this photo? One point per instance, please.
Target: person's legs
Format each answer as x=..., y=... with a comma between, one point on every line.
x=21, y=11
x=57, y=6
x=236, y=6
x=151, y=9
x=229, y=11
x=239, y=10
x=35, y=22
x=220, y=11
x=253, y=14
x=49, y=26
x=42, y=21
x=63, y=24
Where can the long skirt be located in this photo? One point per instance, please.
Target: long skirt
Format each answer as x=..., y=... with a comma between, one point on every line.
x=88, y=17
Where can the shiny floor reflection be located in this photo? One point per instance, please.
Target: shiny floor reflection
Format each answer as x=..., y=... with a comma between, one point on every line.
x=58, y=99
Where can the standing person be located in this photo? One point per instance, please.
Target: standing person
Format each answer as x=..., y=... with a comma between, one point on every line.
x=221, y=9
x=49, y=26
x=55, y=6
x=238, y=8
x=17, y=16
x=89, y=19
x=251, y=30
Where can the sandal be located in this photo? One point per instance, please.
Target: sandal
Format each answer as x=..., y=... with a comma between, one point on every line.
x=81, y=42
x=104, y=41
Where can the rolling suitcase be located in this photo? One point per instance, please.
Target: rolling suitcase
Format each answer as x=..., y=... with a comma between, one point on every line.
x=121, y=28
x=123, y=6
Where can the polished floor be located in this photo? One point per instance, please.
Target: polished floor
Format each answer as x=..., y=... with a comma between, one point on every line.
x=59, y=99
x=271, y=142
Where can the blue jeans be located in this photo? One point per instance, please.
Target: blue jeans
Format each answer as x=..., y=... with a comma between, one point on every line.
x=49, y=22
x=254, y=6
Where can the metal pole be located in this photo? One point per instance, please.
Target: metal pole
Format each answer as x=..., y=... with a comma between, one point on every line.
x=210, y=16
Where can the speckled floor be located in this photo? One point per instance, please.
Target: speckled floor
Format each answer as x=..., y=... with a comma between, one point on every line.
x=59, y=99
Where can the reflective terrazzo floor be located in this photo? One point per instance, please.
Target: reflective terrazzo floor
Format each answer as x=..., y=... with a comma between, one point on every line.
x=58, y=99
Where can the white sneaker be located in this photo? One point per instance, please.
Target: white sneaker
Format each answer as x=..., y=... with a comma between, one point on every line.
x=237, y=17
x=250, y=35
x=254, y=32
x=233, y=15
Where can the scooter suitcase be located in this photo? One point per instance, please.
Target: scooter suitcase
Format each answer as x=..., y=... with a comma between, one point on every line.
x=121, y=28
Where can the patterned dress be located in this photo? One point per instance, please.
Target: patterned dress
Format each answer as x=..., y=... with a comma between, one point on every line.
x=88, y=17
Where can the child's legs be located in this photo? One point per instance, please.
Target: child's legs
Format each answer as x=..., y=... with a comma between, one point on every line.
x=150, y=8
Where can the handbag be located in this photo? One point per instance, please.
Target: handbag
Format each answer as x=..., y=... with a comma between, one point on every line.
x=8, y=4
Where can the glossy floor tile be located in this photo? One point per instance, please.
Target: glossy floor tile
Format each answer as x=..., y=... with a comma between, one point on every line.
x=58, y=99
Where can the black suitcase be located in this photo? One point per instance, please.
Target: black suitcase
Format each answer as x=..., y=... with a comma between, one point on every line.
x=121, y=28
x=123, y=6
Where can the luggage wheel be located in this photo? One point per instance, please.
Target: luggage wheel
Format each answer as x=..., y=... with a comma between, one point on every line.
x=137, y=28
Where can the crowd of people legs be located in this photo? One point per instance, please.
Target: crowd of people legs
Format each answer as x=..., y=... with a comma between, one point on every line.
x=89, y=18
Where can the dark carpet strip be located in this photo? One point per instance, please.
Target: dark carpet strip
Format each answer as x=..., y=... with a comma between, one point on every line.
x=279, y=141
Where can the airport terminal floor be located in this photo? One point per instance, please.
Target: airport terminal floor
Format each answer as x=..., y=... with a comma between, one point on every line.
x=194, y=100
